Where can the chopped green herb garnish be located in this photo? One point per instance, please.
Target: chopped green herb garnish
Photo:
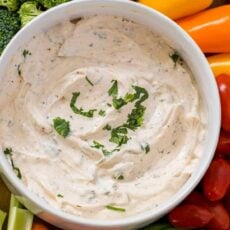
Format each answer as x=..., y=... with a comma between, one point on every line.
x=97, y=145
x=109, y=104
x=107, y=127
x=119, y=177
x=175, y=58
x=118, y=103
x=19, y=70
x=25, y=53
x=119, y=136
x=136, y=117
x=61, y=126
x=16, y=170
x=102, y=113
x=113, y=90
x=145, y=147
x=60, y=195
x=8, y=151
x=113, y=208
x=90, y=82
x=80, y=111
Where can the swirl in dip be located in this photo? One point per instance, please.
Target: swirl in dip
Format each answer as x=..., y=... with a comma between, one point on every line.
x=101, y=118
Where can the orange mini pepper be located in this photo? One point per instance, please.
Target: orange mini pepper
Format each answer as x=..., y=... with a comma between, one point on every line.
x=210, y=29
x=177, y=8
x=220, y=64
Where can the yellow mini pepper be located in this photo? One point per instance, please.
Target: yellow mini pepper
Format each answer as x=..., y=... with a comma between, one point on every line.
x=220, y=64
x=177, y=8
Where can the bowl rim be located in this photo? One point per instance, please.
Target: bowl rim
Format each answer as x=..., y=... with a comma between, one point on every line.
x=146, y=216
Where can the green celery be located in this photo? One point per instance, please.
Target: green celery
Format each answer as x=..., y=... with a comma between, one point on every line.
x=2, y=218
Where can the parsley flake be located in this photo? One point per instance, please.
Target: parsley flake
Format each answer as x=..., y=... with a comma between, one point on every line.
x=80, y=111
x=145, y=147
x=25, y=53
x=175, y=58
x=60, y=195
x=102, y=113
x=107, y=127
x=61, y=126
x=90, y=82
x=8, y=151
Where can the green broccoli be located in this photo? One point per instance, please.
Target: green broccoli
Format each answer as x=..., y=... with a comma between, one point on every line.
x=28, y=11
x=11, y=5
x=9, y=26
x=51, y=3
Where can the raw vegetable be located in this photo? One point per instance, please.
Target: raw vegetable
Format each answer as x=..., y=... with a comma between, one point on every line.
x=19, y=218
x=220, y=64
x=11, y=5
x=28, y=11
x=9, y=26
x=210, y=29
x=223, y=147
x=220, y=221
x=190, y=216
x=161, y=227
x=216, y=180
x=2, y=218
x=223, y=82
x=177, y=8
x=51, y=3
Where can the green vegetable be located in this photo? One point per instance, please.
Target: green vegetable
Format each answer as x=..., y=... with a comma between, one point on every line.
x=145, y=147
x=61, y=126
x=51, y=3
x=114, y=89
x=28, y=11
x=8, y=151
x=80, y=111
x=102, y=113
x=9, y=26
x=98, y=145
x=115, y=208
x=2, y=218
x=25, y=53
x=90, y=82
x=60, y=195
x=107, y=127
x=11, y=5
x=175, y=58
x=119, y=136
x=19, y=218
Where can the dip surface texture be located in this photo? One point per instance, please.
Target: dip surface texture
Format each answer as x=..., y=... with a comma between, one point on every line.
x=101, y=118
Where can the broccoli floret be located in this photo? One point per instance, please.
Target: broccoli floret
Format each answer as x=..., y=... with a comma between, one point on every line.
x=28, y=11
x=9, y=26
x=11, y=5
x=51, y=3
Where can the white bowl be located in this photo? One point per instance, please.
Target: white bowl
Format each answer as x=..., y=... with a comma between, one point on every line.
x=179, y=40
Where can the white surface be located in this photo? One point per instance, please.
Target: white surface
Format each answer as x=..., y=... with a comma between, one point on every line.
x=190, y=53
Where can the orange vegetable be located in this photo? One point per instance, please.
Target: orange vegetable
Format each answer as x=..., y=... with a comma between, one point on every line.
x=210, y=29
x=177, y=8
x=39, y=225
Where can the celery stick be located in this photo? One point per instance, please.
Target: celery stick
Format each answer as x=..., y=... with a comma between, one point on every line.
x=2, y=218
x=20, y=219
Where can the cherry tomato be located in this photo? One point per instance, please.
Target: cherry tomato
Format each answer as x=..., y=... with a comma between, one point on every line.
x=217, y=180
x=190, y=216
x=223, y=82
x=223, y=147
x=227, y=201
x=220, y=221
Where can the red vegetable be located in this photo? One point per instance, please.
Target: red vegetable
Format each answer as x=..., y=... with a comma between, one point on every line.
x=223, y=82
x=217, y=180
x=220, y=221
x=190, y=216
x=223, y=147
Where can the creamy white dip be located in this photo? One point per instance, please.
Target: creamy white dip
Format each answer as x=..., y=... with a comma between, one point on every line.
x=79, y=173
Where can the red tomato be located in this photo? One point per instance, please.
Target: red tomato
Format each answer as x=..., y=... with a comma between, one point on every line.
x=216, y=180
x=220, y=221
x=190, y=216
x=223, y=147
x=227, y=201
x=223, y=82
